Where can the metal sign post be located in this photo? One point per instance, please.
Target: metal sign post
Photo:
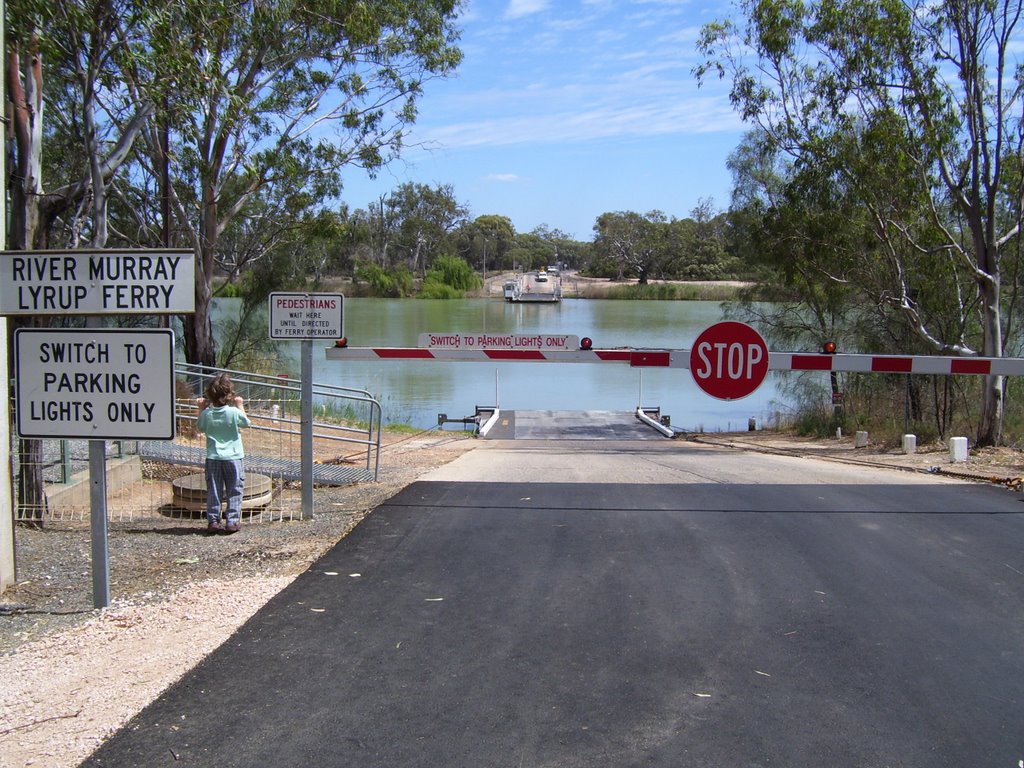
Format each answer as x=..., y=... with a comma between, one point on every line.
x=306, y=437
x=98, y=534
x=98, y=523
x=94, y=384
x=305, y=317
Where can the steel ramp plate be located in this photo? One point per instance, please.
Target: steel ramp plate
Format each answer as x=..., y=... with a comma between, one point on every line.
x=571, y=425
x=323, y=474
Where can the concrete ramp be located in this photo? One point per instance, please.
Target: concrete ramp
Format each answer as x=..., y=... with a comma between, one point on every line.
x=571, y=425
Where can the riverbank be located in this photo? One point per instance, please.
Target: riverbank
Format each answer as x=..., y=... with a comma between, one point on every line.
x=575, y=286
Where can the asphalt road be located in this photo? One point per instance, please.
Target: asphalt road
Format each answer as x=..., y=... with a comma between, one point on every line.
x=616, y=605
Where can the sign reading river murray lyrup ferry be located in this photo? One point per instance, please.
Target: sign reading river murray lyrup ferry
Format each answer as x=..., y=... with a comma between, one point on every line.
x=97, y=282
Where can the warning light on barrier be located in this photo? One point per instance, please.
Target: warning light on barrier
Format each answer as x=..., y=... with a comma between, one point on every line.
x=829, y=347
x=586, y=343
x=342, y=342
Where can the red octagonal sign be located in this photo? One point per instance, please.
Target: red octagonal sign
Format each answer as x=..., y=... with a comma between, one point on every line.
x=729, y=360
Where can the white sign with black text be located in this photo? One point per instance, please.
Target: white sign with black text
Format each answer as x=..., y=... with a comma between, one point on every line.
x=95, y=384
x=307, y=315
x=97, y=282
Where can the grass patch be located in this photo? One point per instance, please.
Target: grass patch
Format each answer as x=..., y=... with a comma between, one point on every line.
x=674, y=292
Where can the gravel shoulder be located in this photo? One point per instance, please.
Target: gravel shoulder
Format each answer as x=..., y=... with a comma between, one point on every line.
x=73, y=675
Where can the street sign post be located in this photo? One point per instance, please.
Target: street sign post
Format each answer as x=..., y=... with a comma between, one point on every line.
x=95, y=384
x=729, y=360
x=305, y=317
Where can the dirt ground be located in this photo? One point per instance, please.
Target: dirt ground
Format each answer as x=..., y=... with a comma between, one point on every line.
x=73, y=675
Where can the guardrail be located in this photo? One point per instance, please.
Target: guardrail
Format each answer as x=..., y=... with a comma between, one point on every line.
x=347, y=428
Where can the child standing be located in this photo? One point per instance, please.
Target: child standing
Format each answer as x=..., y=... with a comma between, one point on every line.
x=222, y=417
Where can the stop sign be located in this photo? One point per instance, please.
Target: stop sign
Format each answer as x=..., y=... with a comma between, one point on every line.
x=729, y=360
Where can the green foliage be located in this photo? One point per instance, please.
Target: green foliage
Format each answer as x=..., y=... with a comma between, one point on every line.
x=673, y=292
x=436, y=290
x=414, y=224
x=651, y=246
x=487, y=242
x=449, y=278
x=888, y=139
x=455, y=272
x=230, y=291
x=383, y=284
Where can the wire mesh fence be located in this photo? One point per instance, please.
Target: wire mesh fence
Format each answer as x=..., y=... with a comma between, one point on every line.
x=166, y=478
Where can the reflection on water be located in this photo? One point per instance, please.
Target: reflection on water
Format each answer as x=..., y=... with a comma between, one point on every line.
x=414, y=392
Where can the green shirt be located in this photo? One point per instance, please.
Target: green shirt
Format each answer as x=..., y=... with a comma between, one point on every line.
x=222, y=426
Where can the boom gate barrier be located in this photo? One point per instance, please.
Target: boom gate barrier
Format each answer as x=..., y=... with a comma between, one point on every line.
x=680, y=358
x=637, y=357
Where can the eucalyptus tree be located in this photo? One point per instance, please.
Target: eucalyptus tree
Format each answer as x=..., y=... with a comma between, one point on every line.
x=258, y=95
x=69, y=53
x=530, y=251
x=634, y=242
x=422, y=219
x=487, y=241
x=569, y=252
x=696, y=246
x=913, y=110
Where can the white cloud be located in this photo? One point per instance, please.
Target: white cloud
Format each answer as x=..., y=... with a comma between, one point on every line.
x=504, y=178
x=517, y=9
x=670, y=117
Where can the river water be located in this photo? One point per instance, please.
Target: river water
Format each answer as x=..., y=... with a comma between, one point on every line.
x=415, y=392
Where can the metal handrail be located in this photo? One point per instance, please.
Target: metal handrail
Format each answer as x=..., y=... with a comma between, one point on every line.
x=323, y=430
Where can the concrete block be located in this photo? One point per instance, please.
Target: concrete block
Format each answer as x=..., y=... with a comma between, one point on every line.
x=860, y=440
x=958, y=449
x=121, y=472
x=910, y=443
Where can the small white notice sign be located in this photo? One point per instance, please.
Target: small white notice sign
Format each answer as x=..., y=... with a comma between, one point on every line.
x=95, y=384
x=539, y=342
x=307, y=316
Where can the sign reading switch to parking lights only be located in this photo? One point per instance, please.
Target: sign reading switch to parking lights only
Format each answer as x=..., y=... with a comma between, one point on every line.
x=93, y=384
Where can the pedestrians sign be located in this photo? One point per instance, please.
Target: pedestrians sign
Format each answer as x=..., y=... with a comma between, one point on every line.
x=729, y=360
x=306, y=316
x=92, y=384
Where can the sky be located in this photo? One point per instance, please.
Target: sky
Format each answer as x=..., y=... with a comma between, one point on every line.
x=566, y=109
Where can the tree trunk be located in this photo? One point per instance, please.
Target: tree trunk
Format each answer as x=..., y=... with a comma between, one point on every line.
x=990, y=425
x=198, y=328
x=25, y=234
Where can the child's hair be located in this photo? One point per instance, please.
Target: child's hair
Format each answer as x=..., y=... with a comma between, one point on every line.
x=220, y=391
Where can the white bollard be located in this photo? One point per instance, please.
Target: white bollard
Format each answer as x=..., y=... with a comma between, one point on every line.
x=910, y=443
x=861, y=440
x=958, y=449
x=839, y=433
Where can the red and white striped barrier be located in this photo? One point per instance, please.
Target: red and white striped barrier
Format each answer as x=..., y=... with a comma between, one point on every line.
x=680, y=358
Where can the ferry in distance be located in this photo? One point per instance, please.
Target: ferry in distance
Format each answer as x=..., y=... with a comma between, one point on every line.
x=540, y=287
